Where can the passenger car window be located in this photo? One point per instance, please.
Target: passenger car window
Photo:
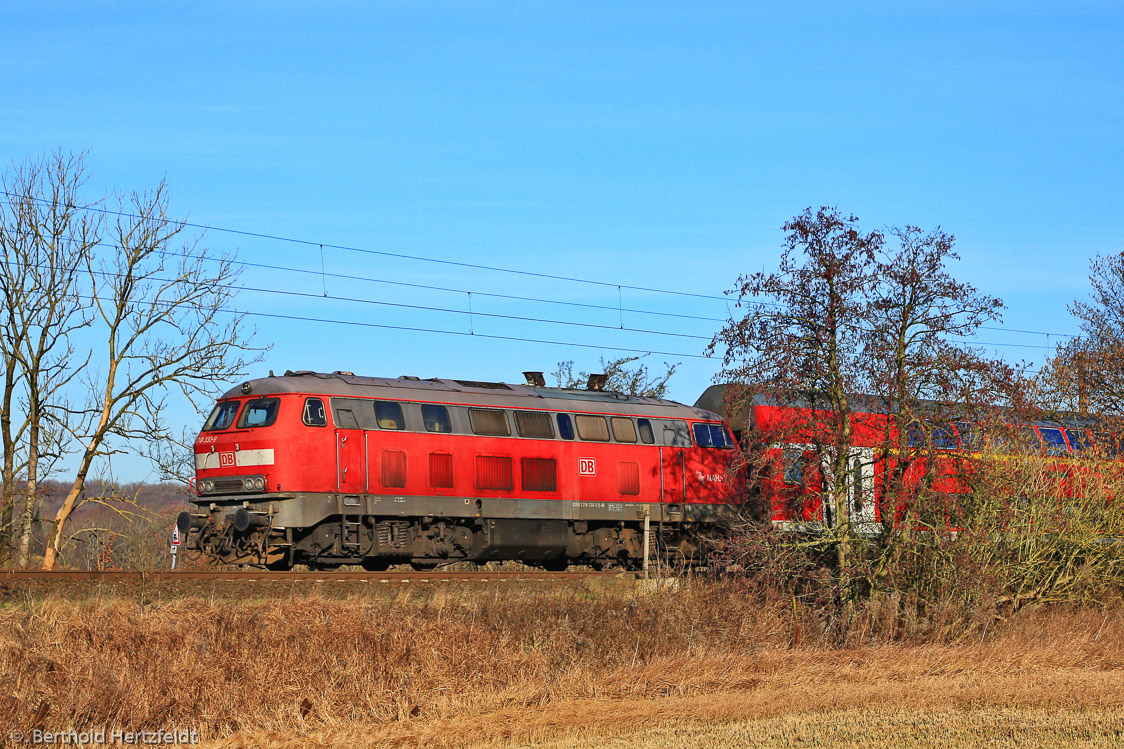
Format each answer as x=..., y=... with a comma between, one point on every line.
x=259, y=413
x=971, y=436
x=943, y=437
x=1078, y=438
x=222, y=417
x=436, y=418
x=388, y=414
x=793, y=463
x=1055, y=441
x=313, y=414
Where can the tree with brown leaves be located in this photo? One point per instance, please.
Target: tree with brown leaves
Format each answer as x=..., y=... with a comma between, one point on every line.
x=800, y=342
x=1086, y=373
x=918, y=371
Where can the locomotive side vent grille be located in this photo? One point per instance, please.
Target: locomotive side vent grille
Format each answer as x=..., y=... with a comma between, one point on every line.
x=493, y=472
x=628, y=478
x=392, y=469
x=540, y=474
x=441, y=470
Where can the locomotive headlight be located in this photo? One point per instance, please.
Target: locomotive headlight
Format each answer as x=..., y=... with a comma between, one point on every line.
x=248, y=484
x=259, y=484
x=206, y=485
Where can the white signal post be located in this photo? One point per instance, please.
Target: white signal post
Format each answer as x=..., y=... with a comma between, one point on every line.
x=175, y=543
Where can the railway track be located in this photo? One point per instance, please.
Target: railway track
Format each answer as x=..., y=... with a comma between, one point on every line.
x=291, y=576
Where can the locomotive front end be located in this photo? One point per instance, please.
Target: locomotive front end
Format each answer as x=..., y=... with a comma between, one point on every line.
x=238, y=515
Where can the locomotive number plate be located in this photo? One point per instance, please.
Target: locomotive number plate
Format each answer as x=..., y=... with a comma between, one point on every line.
x=587, y=467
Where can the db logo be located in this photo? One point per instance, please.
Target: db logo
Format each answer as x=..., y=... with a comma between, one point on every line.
x=226, y=459
x=587, y=467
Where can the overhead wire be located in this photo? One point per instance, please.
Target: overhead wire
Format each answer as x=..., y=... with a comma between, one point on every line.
x=620, y=309
x=400, y=255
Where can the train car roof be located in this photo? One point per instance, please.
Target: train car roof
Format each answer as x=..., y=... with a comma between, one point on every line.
x=468, y=392
x=714, y=398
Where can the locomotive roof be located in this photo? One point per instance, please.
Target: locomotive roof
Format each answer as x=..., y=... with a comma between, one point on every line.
x=470, y=392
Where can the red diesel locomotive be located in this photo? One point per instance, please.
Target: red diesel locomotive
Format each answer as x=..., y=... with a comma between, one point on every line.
x=331, y=469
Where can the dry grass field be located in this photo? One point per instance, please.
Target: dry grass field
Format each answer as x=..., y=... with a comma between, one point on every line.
x=582, y=664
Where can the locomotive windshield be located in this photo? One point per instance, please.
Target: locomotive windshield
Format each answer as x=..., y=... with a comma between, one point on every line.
x=259, y=413
x=712, y=435
x=222, y=417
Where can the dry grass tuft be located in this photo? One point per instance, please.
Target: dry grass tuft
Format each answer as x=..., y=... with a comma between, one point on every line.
x=518, y=663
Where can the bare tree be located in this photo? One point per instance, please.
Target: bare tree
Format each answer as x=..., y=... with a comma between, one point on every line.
x=12, y=426
x=620, y=377
x=161, y=306
x=800, y=339
x=46, y=241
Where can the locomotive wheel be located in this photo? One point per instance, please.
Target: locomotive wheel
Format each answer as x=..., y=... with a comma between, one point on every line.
x=423, y=566
x=375, y=564
x=556, y=565
x=281, y=565
x=323, y=566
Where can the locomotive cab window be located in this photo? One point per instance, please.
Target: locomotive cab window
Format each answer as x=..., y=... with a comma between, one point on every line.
x=436, y=418
x=259, y=413
x=313, y=414
x=712, y=435
x=489, y=421
x=388, y=414
x=222, y=417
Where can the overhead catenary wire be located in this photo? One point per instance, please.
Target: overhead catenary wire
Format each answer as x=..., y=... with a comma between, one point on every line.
x=472, y=314
x=387, y=253
x=619, y=307
x=440, y=331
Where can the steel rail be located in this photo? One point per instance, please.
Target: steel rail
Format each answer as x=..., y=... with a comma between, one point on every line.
x=319, y=576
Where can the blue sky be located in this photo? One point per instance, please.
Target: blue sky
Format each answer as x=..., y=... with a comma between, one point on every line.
x=645, y=144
